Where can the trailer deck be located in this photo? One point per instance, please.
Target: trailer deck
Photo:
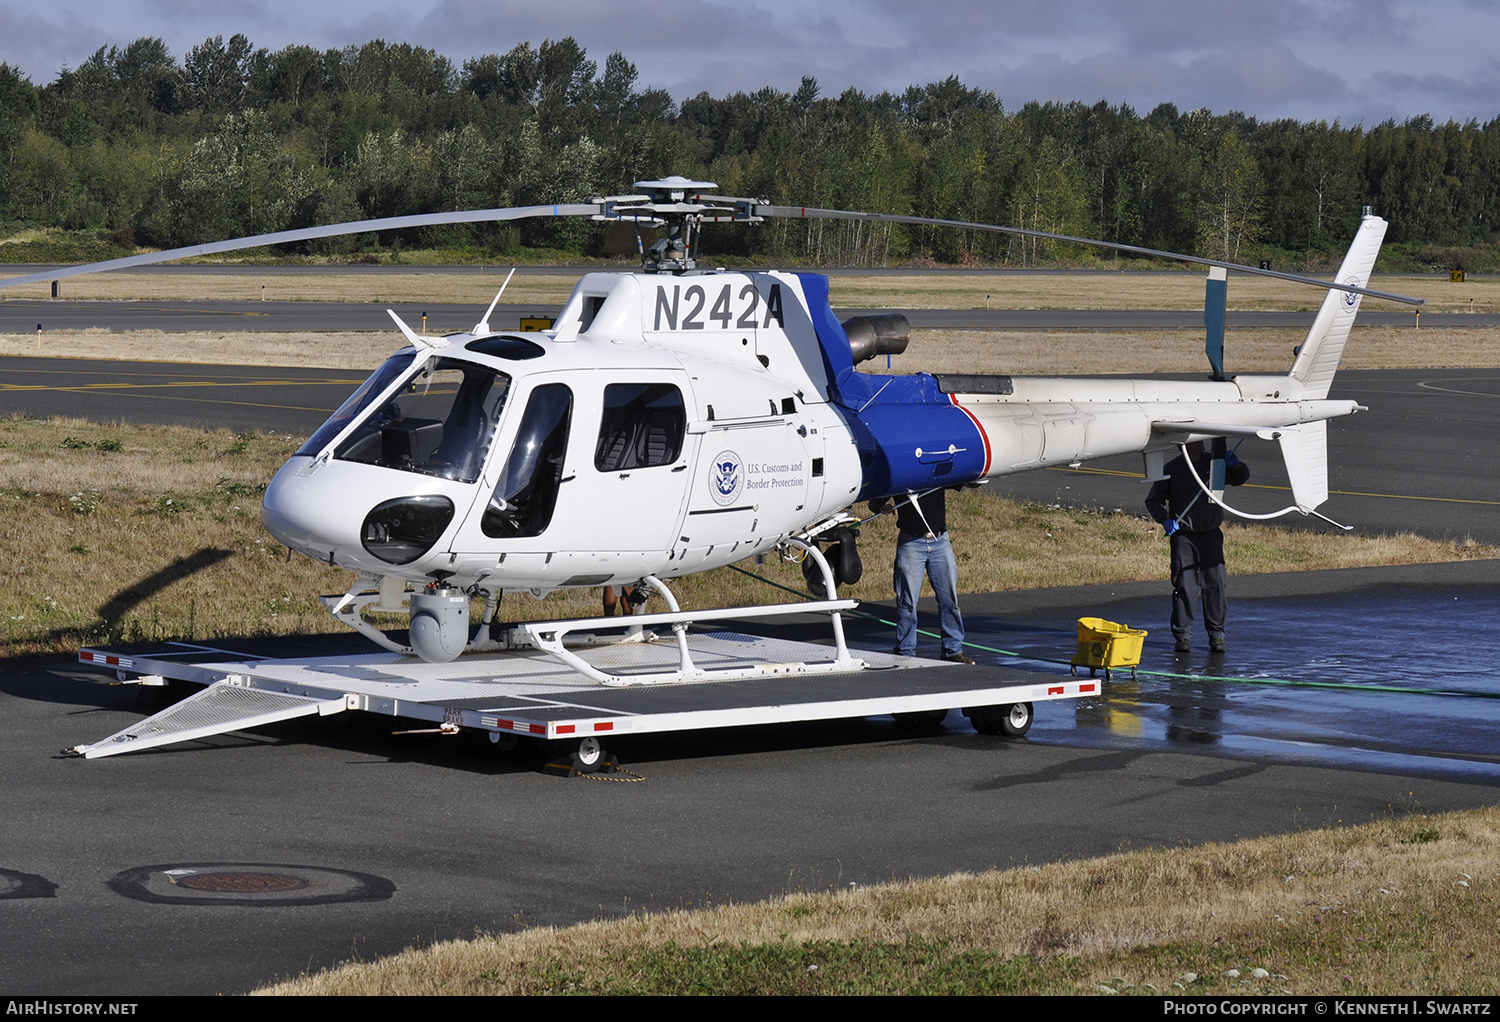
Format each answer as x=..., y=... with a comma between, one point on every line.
x=532, y=694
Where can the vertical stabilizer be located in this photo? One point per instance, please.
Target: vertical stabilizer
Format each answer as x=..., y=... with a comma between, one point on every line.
x=1304, y=448
x=1319, y=358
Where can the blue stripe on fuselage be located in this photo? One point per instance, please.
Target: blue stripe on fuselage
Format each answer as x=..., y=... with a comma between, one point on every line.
x=892, y=417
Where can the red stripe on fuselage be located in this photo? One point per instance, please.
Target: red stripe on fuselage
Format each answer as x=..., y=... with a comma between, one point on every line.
x=983, y=436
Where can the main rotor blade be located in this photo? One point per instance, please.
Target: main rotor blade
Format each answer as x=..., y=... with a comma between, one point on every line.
x=807, y=212
x=464, y=216
x=608, y=210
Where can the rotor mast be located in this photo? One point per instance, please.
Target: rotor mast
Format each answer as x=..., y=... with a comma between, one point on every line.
x=680, y=206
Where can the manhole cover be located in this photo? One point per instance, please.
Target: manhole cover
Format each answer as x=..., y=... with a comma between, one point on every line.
x=248, y=883
x=241, y=883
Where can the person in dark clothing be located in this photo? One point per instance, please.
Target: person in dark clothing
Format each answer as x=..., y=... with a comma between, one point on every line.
x=923, y=547
x=1192, y=522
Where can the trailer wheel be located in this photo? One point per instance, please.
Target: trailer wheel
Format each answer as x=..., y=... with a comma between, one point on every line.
x=498, y=742
x=590, y=754
x=1012, y=720
x=985, y=725
x=1017, y=720
x=922, y=718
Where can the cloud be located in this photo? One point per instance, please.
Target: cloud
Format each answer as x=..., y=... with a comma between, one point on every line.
x=1354, y=59
x=41, y=45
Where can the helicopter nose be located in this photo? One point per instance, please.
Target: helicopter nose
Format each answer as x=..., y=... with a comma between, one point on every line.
x=310, y=513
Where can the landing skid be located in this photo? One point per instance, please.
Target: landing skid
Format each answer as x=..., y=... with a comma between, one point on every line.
x=555, y=637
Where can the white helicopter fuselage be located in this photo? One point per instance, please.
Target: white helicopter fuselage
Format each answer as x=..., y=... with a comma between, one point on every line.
x=672, y=424
x=750, y=457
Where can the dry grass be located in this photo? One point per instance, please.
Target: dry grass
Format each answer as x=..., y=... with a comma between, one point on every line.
x=1019, y=352
x=354, y=350
x=1165, y=290
x=449, y=284
x=1135, y=352
x=1084, y=290
x=116, y=532
x=1405, y=905
x=31, y=234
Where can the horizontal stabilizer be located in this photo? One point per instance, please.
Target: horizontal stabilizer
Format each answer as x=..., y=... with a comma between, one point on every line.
x=1195, y=428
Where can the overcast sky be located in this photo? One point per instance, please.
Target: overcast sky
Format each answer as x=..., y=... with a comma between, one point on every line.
x=1309, y=59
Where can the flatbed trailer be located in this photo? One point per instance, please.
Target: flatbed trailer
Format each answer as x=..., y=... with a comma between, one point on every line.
x=531, y=695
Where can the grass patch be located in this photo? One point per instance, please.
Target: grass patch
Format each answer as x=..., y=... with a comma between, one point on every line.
x=1356, y=911
x=114, y=532
x=1016, y=352
x=53, y=245
x=476, y=285
x=1141, y=352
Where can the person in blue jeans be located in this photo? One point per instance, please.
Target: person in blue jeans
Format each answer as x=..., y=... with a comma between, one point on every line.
x=923, y=548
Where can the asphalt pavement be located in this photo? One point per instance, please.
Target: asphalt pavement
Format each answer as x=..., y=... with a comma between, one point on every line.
x=216, y=865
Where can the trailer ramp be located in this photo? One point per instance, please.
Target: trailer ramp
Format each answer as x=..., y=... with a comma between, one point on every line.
x=224, y=706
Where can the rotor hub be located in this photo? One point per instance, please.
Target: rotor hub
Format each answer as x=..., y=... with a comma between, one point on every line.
x=679, y=205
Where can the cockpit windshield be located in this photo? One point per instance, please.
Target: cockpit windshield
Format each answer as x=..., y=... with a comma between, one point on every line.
x=439, y=422
x=356, y=402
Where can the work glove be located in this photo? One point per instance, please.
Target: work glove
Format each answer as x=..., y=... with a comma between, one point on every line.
x=1231, y=459
x=1170, y=526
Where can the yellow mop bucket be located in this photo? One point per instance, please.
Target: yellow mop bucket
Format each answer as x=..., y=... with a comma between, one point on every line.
x=1107, y=644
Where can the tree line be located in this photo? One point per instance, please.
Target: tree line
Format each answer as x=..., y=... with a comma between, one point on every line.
x=234, y=140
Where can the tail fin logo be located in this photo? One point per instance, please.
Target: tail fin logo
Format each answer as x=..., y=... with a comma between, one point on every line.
x=1351, y=300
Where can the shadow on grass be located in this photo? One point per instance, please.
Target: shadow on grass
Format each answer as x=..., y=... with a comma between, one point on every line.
x=110, y=626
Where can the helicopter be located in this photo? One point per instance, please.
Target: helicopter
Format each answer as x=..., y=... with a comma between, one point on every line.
x=680, y=419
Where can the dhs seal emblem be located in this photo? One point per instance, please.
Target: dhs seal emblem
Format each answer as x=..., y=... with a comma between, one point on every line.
x=1351, y=300
x=726, y=478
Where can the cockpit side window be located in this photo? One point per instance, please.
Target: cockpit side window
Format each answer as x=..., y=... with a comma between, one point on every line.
x=526, y=495
x=440, y=423
x=643, y=426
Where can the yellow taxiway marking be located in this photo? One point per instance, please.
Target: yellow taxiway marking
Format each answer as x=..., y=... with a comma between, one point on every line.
x=135, y=389
x=82, y=387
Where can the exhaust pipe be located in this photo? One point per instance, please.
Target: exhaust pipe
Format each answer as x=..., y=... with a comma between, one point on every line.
x=885, y=334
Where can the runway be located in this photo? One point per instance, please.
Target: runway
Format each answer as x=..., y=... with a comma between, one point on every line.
x=265, y=398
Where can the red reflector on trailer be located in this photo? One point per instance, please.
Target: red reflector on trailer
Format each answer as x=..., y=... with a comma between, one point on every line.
x=1059, y=690
x=565, y=729
x=1088, y=688
x=608, y=725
